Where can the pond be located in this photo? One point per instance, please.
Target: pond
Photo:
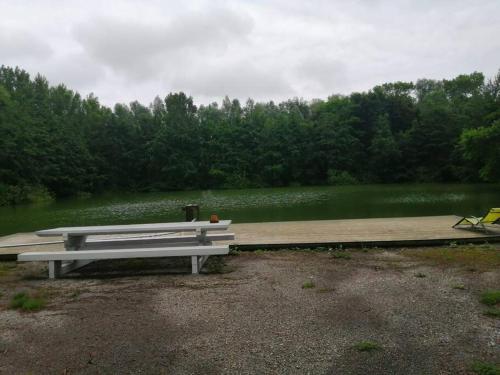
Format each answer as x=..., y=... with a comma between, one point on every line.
x=257, y=205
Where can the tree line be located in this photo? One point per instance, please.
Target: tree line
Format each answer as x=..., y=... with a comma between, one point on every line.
x=55, y=143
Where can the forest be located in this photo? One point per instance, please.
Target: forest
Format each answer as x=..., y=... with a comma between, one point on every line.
x=55, y=143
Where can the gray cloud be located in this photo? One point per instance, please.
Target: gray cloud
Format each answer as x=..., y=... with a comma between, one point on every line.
x=320, y=73
x=141, y=50
x=18, y=45
x=273, y=50
x=240, y=80
x=74, y=70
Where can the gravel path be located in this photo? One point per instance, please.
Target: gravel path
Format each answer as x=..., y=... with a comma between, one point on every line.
x=255, y=320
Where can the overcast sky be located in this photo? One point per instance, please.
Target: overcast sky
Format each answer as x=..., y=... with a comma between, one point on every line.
x=275, y=49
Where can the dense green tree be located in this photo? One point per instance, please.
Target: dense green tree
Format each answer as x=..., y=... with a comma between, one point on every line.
x=384, y=152
x=52, y=141
x=431, y=140
x=175, y=149
x=482, y=145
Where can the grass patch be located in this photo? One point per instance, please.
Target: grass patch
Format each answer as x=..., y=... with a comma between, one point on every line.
x=23, y=301
x=216, y=265
x=420, y=275
x=490, y=297
x=7, y=267
x=470, y=256
x=341, y=255
x=234, y=251
x=367, y=346
x=309, y=284
x=458, y=286
x=485, y=368
x=492, y=312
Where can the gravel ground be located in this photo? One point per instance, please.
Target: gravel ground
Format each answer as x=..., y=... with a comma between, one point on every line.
x=135, y=317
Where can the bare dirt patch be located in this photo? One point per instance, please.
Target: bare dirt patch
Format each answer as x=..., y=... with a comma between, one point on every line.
x=151, y=317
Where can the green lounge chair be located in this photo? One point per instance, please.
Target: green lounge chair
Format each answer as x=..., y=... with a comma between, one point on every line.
x=492, y=217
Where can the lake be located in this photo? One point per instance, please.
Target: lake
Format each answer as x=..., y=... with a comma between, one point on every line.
x=257, y=205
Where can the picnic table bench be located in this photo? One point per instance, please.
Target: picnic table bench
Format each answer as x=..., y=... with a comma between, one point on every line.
x=159, y=240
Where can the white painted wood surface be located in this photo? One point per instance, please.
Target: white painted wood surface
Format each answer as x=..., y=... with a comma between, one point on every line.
x=184, y=240
x=135, y=228
x=76, y=259
x=125, y=253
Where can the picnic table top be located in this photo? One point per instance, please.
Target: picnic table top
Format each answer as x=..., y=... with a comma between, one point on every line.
x=135, y=228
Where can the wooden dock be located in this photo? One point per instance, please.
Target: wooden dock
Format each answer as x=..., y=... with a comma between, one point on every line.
x=383, y=232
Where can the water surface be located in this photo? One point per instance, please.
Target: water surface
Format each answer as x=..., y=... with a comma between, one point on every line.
x=258, y=205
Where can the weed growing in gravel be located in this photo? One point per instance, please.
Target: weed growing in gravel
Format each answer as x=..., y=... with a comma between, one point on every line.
x=309, y=284
x=234, y=251
x=341, y=255
x=490, y=297
x=420, y=275
x=484, y=368
x=259, y=251
x=459, y=286
x=320, y=248
x=367, y=249
x=472, y=257
x=217, y=265
x=6, y=267
x=367, y=346
x=493, y=312
x=24, y=302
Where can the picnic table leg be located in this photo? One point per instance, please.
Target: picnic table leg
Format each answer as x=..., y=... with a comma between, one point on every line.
x=197, y=262
x=195, y=269
x=54, y=269
x=73, y=243
x=73, y=265
x=201, y=236
x=202, y=261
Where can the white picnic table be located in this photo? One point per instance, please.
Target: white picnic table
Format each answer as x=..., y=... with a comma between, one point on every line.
x=83, y=245
x=136, y=228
